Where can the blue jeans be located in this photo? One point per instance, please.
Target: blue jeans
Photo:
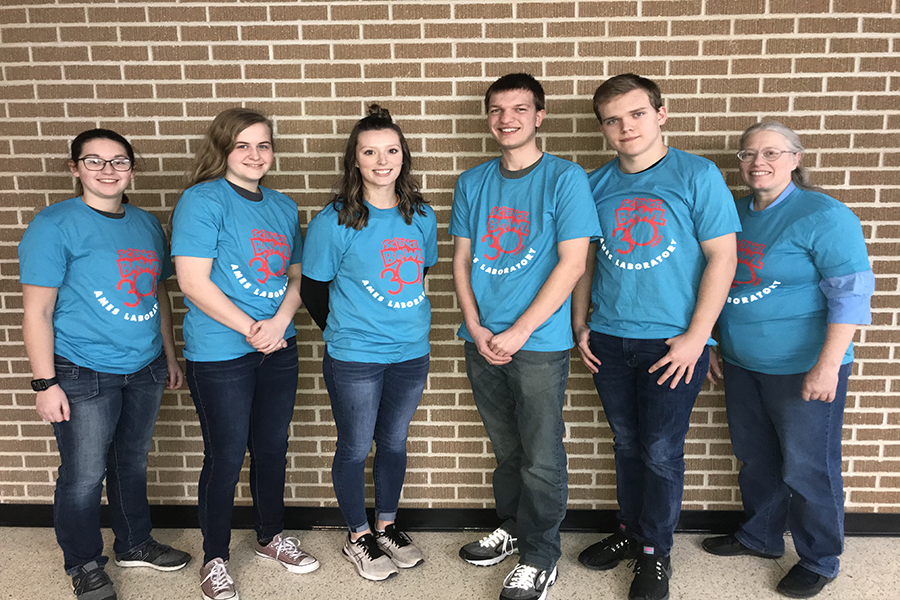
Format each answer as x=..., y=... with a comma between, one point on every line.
x=243, y=403
x=107, y=435
x=372, y=401
x=649, y=423
x=791, y=472
x=521, y=406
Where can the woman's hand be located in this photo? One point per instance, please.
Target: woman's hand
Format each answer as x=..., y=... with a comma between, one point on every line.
x=174, y=375
x=821, y=383
x=267, y=336
x=52, y=404
x=714, y=373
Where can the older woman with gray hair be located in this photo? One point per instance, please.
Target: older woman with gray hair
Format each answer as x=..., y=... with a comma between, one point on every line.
x=802, y=286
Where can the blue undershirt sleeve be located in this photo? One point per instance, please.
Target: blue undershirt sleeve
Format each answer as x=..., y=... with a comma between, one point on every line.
x=849, y=297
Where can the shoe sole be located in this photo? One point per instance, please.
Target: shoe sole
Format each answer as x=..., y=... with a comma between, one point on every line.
x=292, y=568
x=362, y=573
x=488, y=562
x=401, y=565
x=139, y=563
x=543, y=595
x=205, y=597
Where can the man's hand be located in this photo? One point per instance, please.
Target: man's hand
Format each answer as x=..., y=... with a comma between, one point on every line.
x=174, y=376
x=582, y=342
x=684, y=350
x=506, y=343
x=482, y=338
x=53, y=405
x=821, y=383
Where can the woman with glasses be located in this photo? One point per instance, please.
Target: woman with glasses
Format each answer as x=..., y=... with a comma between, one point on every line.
x=98, y=333
x=803, y=284
x=364, y=285
x=237, y=249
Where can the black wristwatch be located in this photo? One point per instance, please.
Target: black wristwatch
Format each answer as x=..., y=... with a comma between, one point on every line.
x=39, y=385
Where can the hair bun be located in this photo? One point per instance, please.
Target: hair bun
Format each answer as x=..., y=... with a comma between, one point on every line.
x=376, y=110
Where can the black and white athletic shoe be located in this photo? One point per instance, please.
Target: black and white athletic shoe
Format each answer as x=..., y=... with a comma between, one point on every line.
x=528, y=583
x=489, y=550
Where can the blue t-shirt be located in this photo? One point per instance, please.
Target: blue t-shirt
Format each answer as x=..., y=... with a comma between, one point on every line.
x=251, y=244
x=775, y=318
x=377, y=308
x=649, y=265
x=514, y=226
x=107, y=273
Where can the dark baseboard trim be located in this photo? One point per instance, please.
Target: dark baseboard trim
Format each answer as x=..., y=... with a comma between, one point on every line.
x=440, y=519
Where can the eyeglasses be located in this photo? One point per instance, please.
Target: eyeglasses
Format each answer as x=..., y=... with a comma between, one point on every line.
x=768, y=154
x=92, y=163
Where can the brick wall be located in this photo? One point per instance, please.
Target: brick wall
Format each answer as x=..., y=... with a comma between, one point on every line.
x=157, y=71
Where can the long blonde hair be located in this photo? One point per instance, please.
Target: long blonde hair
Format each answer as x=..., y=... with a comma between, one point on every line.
x=211, y=159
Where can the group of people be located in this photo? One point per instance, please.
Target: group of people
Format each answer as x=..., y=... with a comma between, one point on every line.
x=639, y=263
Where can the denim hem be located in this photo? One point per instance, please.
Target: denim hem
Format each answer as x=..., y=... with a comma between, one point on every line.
x=358, y=528
x=738, y=535
x=135, y=548
x=831, y=574
x=385, y=516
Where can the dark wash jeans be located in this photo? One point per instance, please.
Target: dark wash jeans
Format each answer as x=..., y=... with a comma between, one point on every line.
x=372, y=401
x=243, y=404
x=791, y=472
x=107, y=435
x=521, y=406
x=649, y=423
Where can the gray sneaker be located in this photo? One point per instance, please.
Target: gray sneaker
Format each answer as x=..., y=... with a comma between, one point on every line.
x=92, y=583
x=397, y=545
x=369, y=560
x=156, y=556
x=215, y=582
x=286, y=550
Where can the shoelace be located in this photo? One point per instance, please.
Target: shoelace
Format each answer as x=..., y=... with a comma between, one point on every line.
x=397, y=537
x=522, y=577
x=636, y=564
x=289, y=546
x=220, y=578
x=494, y=539
x=369, y=546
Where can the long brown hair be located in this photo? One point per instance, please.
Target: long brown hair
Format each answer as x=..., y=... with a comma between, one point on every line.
x=347, y=194
x=211, y=159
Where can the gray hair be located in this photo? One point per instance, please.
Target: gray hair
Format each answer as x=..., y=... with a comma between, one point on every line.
x=800, y=175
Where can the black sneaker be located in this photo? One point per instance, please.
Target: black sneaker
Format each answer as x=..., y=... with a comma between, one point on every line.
x=609, y=552
x=92, y=583
x=800, y=582
x=489, y=550
x=651, y=577
x=156, y=556
x=528, y=583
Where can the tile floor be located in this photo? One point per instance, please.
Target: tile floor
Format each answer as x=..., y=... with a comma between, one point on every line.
x=30, y=568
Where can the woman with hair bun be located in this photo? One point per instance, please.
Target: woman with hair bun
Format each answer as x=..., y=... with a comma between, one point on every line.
x=98, y=333
x=237, y=250
x=802, y=286
x=368, y=252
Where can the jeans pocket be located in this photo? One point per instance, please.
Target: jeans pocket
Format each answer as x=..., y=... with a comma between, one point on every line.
x=159, y=369
x=79, y=383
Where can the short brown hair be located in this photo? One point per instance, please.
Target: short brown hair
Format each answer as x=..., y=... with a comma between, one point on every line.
x=622, y=84
x=516, y=81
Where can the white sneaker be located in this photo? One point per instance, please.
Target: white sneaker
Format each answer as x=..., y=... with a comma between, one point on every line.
x=397, y=545
x=369, y=560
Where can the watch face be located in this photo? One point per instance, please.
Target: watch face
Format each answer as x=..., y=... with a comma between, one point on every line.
x=39, y=385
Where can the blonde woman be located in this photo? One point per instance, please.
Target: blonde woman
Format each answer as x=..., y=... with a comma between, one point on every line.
x=237, y=250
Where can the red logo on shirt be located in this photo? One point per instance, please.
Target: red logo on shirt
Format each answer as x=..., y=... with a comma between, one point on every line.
x=504, y=220
x=272, y=251
x=750, y=255
x=403, y=261
x=641, y=217
x=140, y=271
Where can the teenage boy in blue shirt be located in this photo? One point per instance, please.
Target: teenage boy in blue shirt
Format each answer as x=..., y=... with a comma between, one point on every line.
x=521, y=225
x=657, y=282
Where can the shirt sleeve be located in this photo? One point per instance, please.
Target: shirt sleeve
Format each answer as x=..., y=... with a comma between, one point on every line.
x=297, y=247
x=849, y=297
x=714, y=213
x=431, y=249
x=324, y=244
x=576, y=213
x=166, y=268
x=195, y=226
x=42, y=254
x=459, y=214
